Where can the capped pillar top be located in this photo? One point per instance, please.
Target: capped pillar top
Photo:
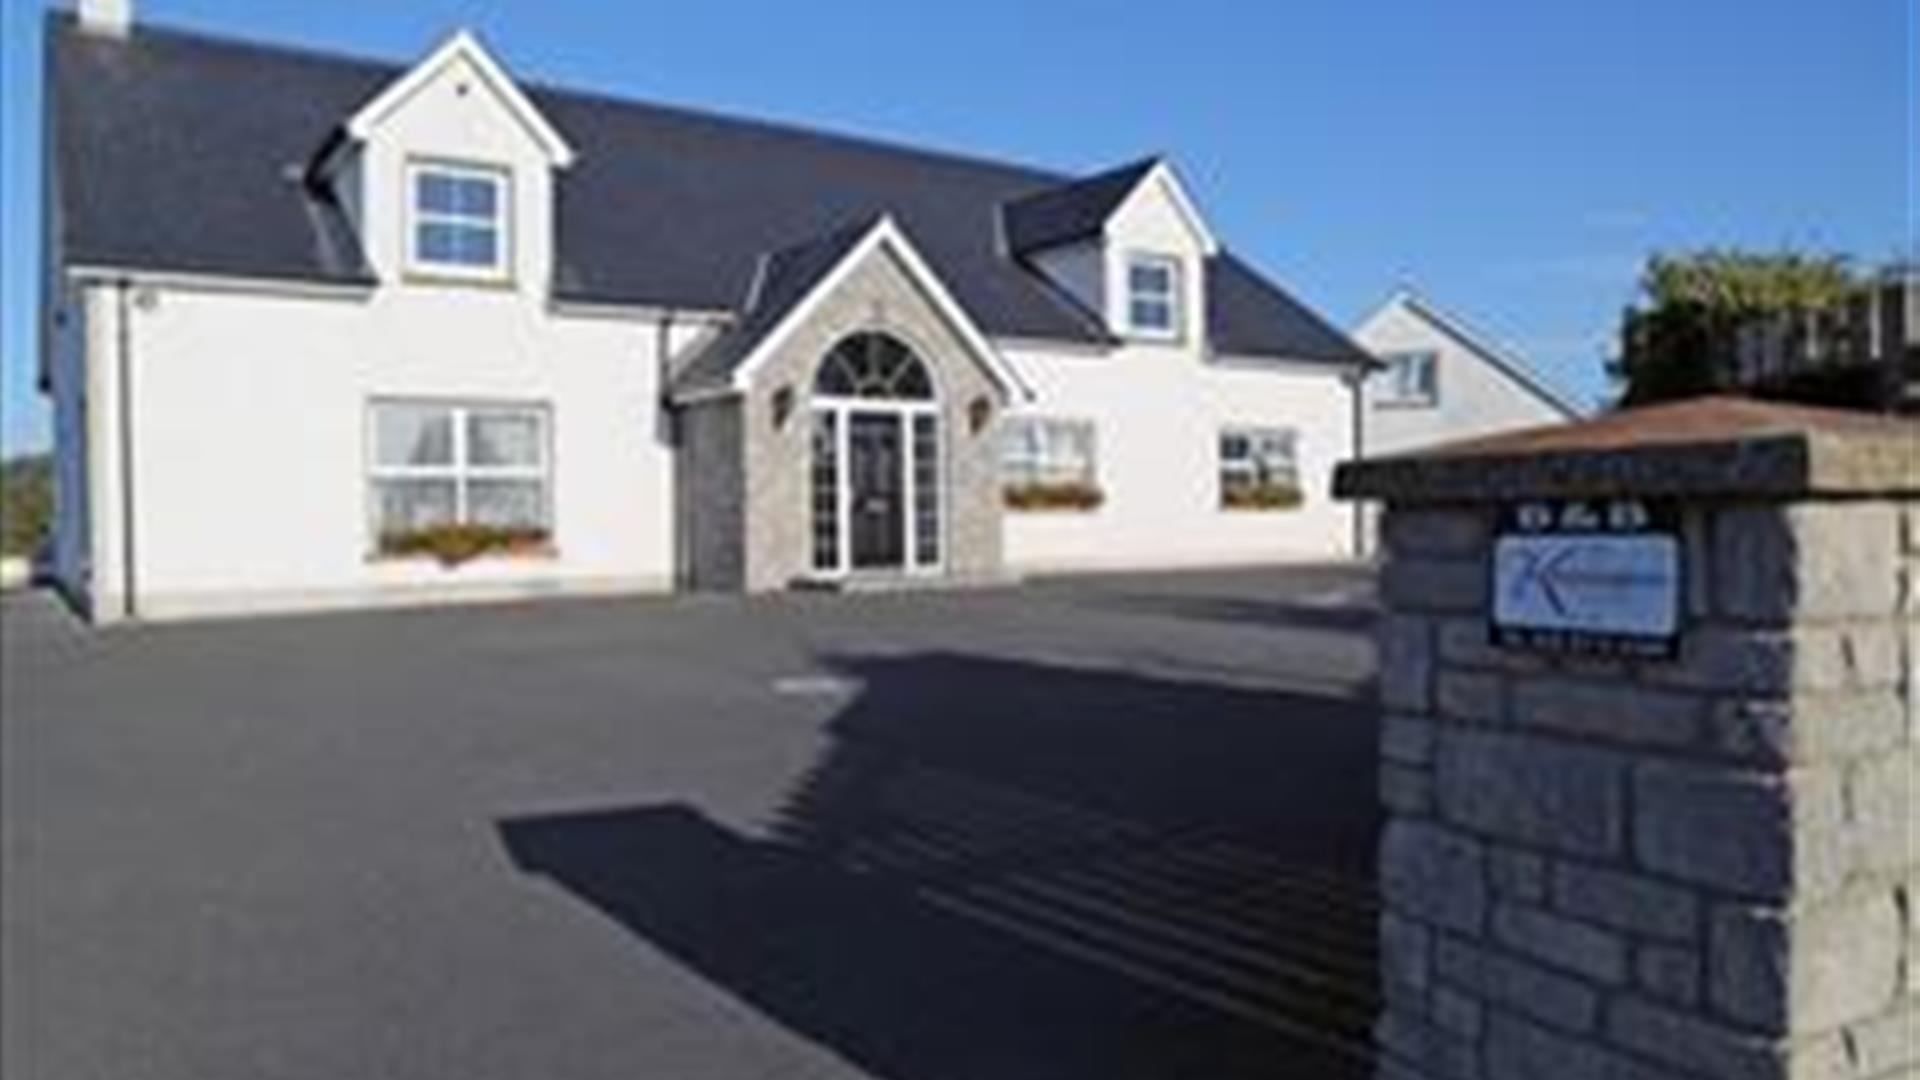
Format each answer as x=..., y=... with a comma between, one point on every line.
x=1708, y=447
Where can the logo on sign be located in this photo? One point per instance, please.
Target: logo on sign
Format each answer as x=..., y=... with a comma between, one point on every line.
x=1581, y=577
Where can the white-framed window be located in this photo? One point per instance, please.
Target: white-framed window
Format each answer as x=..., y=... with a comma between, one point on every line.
x=1259, y=468
x=1410, y=378
x=457, y=219
x=434, y=463
x=1153, y=296
x=1041, y=451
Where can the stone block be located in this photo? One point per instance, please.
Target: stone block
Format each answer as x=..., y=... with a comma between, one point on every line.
x=1883, y=831
x=1440, y=1055
x=1434, y=872
x=1535, y=791
x=1776, y=662
x=1809, y=969
x=1774, y=563
x=1520, y=985
x=1563, y=943
x=1627, y=901
x=1712, y=826
x=1692, y=1043
x=1405, y=647
x=1617, y=711
x=1518, y=1050
x=1518, y=875
x=1407, y=739
x=1406, y=790
x=1456, y=1013
x=1477, y=696
x=1445, y=532
x=1808, y=727
x=1884, y=1045
x=1434, y=586
x=1406, y=952
x=1669, y=973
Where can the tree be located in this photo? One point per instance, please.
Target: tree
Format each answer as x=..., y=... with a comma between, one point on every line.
x=26, y=504
x=1680, y=339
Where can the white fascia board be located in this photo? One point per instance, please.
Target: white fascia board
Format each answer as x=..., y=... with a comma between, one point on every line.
x=230, y=283
x=884, y=232
x=463, y=45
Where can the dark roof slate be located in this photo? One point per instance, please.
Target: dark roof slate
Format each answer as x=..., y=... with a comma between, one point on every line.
x=1072, y=211
x=784, y=279
x=183, y=152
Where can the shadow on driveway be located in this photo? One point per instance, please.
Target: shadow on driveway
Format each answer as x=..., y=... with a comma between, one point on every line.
x=1007, y=870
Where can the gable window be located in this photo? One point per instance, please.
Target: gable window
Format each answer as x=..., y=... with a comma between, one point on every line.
x=437, y=464
x=1049, y=464
x=1259, y=469
x=457, y=222
x=1153, y=296
x=1411, y=378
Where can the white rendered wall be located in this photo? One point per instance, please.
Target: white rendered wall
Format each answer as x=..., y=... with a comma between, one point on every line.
x=1476, y=396
x=1158, y=412
x=250, y=439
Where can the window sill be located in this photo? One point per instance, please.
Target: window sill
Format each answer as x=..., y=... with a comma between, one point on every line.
x=527, y=553
x=1406, y=404
x=433, y=279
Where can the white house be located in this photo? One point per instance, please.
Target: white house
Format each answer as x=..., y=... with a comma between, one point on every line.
x=322, y=331
x=1442, y=380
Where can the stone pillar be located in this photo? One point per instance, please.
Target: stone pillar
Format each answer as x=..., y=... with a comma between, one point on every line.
x=1701, y=866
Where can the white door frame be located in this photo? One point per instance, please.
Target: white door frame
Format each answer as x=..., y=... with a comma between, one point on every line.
x=903, y=412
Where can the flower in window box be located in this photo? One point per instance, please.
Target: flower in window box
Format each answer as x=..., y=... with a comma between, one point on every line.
x=1053, y=496
x=1261, y=497
x=452, y=545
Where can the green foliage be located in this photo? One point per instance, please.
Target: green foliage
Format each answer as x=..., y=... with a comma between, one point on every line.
x=26, y=504
x=455, y=544
x=1261, y=497
x=1681, y=337
x=1053, y=497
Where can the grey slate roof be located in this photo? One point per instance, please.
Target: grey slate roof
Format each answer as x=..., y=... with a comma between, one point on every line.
x=182, y=152
x=1071, y=211
x=784, y=279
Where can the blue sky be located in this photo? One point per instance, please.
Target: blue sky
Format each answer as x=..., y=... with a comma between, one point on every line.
x=1514, y=159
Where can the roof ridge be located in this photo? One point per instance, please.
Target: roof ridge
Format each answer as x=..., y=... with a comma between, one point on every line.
x=554, y=89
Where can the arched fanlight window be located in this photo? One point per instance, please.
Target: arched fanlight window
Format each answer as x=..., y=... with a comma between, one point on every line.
x=873, y=365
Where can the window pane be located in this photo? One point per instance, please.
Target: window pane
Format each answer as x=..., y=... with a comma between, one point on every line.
x=826, y=491
x=926, y=490
x=475, y=197
x=503, y=438
x=1154, y=278
x=406, y=505
x=507, y=504
x=1233, y=446
x=412, y=435
x=1152, y=314
x=436, y=241
x=434, y=192
x=475, y=245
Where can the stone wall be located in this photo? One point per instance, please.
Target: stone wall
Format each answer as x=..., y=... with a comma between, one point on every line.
x=1698, y=868
x=710, y=488
x=878, y=295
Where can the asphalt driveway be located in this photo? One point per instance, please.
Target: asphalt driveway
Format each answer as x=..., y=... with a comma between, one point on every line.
x=1093, y=830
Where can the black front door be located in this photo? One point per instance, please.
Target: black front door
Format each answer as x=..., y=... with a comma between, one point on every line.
x=876, y=471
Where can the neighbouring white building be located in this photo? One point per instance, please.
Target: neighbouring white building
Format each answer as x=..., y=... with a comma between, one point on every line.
x=325, y=331
x=1440, y=381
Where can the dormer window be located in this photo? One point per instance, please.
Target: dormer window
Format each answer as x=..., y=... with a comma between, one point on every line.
x=458, y=220
x=1153, y=296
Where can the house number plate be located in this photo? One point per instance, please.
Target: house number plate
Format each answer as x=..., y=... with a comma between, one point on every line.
x=1592, y=577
